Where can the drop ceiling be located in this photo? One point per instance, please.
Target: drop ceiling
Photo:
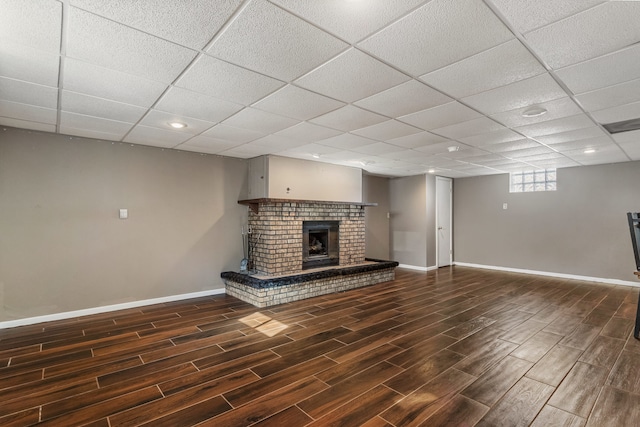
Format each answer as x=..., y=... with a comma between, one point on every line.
x=385, y=85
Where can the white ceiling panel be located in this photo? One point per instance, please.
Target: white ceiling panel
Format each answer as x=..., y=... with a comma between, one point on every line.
x=530, y=153
x=233, y=134
x=155, y=137
x=28, y=93
x=277, y=143
x=262, y=37
x=417, y=140
x=470, y=128
x=597, y=31
x=631, y=137
x=25, y=63
x=91, y=133
x=161, y=120
x=495, y=137
x=245, y=151
x=7, y=121
x=226, y=81
x=534, y=90
x=387, y=130
x=495, y=67
x=183, y=102
x=574, y=135
x=404, y=99
x=632, y=150
x=79, y=121
x=308, y=151
x=350, y=20
x=611, y=153
x=376, y=149
x=612, y=96
x=169, y=20
x=297, y=103
x=79, y=103
x=440, y=116
x=204, y=144
x=550, y=127
x=259, y=121
x=349, y=118
x=33, y=23
x=442, y=31
x=30, y=113
x=559, y=162
x=439, y=148
x=556, y=109
x=607, y=70
x=308, y=132
x=506, y=147
x=346, y=141
x=582, y=144
x=343, y=77
x=617, y=114
x=109, y=44
x=105, y=83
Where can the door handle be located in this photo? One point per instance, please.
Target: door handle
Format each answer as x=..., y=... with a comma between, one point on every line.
x=439, y=228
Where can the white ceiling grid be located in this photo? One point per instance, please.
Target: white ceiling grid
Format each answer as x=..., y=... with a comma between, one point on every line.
x=385, y=85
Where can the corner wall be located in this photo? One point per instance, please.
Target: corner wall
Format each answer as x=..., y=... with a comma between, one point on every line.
x=409, y=234
x=62, y=246
x=580, y=229
x=375, y=189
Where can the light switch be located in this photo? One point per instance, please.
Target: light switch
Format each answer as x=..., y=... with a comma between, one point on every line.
x=504, y=206
x=124, y=213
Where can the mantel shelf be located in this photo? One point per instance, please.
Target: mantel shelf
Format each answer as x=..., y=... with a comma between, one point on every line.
x=254, y=204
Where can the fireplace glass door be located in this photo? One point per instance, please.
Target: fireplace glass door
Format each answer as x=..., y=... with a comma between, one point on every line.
x=320, y=245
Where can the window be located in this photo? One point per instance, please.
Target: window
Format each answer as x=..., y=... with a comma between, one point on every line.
x=540, y=180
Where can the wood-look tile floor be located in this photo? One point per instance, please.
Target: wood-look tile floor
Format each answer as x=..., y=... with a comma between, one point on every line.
x=452, y=347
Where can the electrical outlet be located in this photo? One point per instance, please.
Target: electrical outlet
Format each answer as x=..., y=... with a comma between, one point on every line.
x=504, y=206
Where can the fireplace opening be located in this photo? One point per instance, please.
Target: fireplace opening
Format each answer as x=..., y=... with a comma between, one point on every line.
x=320, y=246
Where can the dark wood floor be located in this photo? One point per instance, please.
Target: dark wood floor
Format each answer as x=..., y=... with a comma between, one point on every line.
x=452, y=347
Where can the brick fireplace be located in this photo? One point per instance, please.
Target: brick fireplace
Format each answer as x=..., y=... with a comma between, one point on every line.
x=302, y=248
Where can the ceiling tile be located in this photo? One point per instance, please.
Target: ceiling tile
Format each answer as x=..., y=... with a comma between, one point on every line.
x=6, y=121
x=105, y=83
x=505, y=147
x=259, y=121
x=582, y=144
x=574, y=135
x=169, y=20
x=297, y=103
x=469, y=128
x=387, y=130
x=611, y=96
x=346, y=141
x=226, y=81
x=161, y=120
x=556, y=109
x=618, y=114
x=350, y=20
x=527, y=152
x=91, y=133
x=109, y=44
x=276, y=143
x=245, y=151
x=308, y=132
x=97, y=107
x=442, y=31
x=439, y=148
x=263, y=36
x=604, y=154
x=28, y=93
x=146, y=135
x=498, y=66
x=495, y=137
x=199, y=106
x=534, y=90
x=376, y=149
x=607, y=70
x=233, y=134
x=440, y=116
x=79, y=121
x=309, y=150
x=404, y=99
x=526, y=15
x=549, y=127
x=342, y=77
x=406, y=155
x=557, y=163
x=597, y=31
x=30, y=113
x=208, y=145
x=28, y=64
x=33, y=23
x=632, y=150
x=417, y=140
x=349, y=118
x=631, y=137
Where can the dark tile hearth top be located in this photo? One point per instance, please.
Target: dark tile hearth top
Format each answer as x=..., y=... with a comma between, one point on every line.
x=270, y=200
x=259, y=283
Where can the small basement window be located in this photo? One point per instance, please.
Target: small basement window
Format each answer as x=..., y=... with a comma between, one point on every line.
x=527, y=181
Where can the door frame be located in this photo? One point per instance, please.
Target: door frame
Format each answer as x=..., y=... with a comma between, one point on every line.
x=450, y=181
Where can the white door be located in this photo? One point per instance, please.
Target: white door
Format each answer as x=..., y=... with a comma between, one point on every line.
x=443, y=221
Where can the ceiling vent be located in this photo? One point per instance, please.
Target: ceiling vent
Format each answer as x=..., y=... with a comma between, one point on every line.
x=623, y=126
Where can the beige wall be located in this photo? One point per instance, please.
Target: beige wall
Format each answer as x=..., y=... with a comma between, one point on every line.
x=376, y=190
x=408, y=200
x=580, y=229
x=62, y=246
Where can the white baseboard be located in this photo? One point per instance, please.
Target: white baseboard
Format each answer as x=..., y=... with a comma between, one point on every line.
x=106, y=308
x=415, y=267
x=551, y=274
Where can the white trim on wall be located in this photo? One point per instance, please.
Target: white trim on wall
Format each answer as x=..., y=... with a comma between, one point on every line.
x=418, y=268
x=106, y=308
x=551, y=274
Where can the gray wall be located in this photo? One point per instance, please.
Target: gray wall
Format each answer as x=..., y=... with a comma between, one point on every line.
x=62, y=246
x=579, y=229
x=376, y=190
x=431, y=220
x=408, y=200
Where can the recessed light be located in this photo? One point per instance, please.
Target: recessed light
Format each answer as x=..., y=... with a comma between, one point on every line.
x=431, y=171
x=534, y=112
x=453, y=148
x=315, y=156
x=589, y=151
x=177, y=125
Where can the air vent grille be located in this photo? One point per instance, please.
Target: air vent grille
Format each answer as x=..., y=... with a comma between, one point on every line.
x=623, y=126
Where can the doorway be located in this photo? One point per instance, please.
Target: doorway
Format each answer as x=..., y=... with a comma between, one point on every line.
x=444, y=235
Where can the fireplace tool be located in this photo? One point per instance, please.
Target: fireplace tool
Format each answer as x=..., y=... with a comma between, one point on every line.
x=244, y=264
